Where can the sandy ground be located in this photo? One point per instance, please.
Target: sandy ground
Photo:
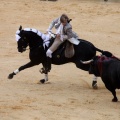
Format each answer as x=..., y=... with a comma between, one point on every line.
x=68, y=95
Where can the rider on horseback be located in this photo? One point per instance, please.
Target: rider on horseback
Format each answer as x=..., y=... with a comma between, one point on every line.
x=64, y=32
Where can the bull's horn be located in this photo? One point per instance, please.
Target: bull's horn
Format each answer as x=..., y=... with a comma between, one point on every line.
x=86, y=62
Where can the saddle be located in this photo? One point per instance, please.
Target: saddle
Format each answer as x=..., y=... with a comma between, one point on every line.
x=65, y=46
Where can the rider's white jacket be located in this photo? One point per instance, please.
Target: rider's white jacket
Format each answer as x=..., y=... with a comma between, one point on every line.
x=65, y=32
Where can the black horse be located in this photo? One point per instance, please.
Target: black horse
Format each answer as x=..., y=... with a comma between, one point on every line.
x=83, y=51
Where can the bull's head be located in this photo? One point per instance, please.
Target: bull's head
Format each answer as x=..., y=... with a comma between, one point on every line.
x=93, y=66
x=21, y=40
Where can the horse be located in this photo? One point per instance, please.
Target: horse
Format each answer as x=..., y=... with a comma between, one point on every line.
x=84, y=51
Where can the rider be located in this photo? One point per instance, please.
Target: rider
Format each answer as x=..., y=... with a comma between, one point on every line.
x=55, y=23
x=64, y=32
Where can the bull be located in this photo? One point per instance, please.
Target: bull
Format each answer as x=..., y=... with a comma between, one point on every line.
x=108, y=68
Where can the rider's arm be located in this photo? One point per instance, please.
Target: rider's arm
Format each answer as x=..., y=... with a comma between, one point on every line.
x=53, y=23
x=69, y=33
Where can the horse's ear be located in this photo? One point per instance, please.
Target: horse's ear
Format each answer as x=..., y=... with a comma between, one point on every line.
x=20, y=28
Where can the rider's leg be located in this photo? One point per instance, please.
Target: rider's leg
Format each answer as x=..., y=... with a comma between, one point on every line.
x=49, y=52
x=54, y=46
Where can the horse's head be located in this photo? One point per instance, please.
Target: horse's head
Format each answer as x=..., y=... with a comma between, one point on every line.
x=21, y=39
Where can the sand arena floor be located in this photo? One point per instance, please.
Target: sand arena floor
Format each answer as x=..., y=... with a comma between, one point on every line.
x=68, y=95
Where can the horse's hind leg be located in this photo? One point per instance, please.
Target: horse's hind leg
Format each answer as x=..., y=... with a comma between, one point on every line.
x=94, y=82
x=28, y=65
x=43, y=70
x=45, y=78
x=86, y=68
x=82, y=66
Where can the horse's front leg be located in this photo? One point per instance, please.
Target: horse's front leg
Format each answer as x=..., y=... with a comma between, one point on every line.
x=28, y=65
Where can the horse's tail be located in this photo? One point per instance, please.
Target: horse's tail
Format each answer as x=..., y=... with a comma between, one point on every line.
x=99, y=50
x=106, y=53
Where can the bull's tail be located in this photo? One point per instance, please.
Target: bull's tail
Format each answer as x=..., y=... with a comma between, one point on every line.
x=106, y=53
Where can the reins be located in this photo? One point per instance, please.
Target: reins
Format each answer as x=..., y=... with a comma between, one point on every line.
x=34, y=47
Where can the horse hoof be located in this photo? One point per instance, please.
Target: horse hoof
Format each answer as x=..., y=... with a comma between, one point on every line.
x=42, y=81
x=10, y=76
x=94, y=85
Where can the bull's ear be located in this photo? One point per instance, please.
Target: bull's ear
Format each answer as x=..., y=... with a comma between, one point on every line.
x=20, y=28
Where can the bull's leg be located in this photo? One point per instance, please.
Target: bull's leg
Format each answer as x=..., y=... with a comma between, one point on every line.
x=115, y=99
x=111, y=89
x=28, y=65
x=94, y=83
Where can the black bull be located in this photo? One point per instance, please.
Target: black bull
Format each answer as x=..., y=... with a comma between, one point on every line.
x=84, y=51
x=108, y=68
